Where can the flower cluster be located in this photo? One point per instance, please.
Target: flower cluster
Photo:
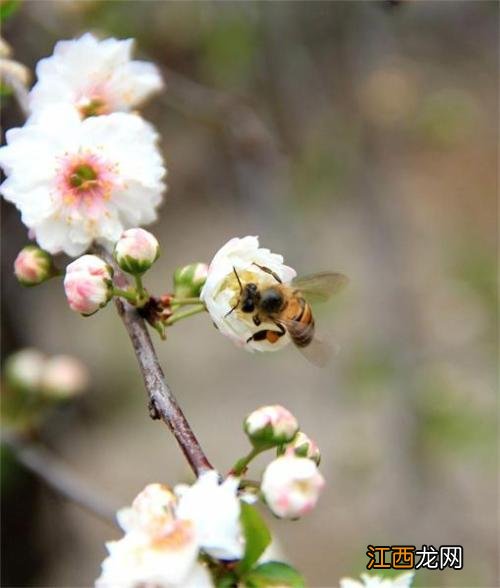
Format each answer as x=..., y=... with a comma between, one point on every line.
x=83, y=168
x=172, y=536
x=164, y=534
x=210, y=530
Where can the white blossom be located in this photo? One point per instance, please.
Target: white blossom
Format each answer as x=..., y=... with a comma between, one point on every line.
x=291, y=486
x=76, y=181
x=214, y=509
x=373, y=581
x=166, y=561
x=221, y=291
x=94, y=77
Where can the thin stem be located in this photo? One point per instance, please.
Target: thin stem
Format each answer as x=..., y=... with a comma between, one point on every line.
x=241, y=466
x=178, y=316
x=60, y=477
x=162, y=402
x=142, y=295
x=127, y=294
x=185, y=301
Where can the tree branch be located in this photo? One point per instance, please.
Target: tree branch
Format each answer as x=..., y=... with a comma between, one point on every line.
x=59, y=477
x=162, y=403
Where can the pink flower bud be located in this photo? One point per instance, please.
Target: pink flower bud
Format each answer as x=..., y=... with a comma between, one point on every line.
x=88, y=284
x=64, y=377
x=136, y=251
x=33, y=266
x=291, y=486
x=303, y=446
x=270, y=426
x=189, y=280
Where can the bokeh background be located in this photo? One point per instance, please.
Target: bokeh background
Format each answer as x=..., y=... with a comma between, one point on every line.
x=354, y=136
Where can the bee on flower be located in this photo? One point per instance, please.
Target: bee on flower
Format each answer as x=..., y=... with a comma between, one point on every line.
x=258, y=301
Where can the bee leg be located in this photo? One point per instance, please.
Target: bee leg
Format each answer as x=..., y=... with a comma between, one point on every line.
x=258, y=336
x=281, y=328
x=232, y=309
x=268, y=271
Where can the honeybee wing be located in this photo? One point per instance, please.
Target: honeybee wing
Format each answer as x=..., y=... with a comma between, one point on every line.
x=318, y=352
x=319, y=287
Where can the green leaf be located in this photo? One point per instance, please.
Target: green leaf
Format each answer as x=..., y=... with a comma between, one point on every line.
x=5, y=90
x=7, y=8
x=274, y=573
x=227, y=581
x=257, y=536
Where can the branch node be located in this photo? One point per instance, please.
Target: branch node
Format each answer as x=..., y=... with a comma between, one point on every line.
x=154, y=413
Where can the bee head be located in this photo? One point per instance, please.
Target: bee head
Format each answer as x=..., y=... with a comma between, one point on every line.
x=250, y=297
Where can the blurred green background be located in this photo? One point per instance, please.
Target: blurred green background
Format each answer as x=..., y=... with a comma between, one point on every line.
x=354, y=136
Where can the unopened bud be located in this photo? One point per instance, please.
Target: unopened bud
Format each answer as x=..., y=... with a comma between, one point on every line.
x=269, y=426
x=151, y=512
x=136, y=251
x=33, y=266
x=189, y=280
x=291, y=486
x=64, y=377
x=24, y=369
x=88, y=284
x=302, y=446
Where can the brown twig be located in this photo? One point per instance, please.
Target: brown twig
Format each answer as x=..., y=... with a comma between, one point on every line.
x=59, y=477
x=162, y=403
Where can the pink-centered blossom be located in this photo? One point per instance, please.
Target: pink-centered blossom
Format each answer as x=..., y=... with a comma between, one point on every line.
x=88, y=284
x=291, y=486
x=78, y=182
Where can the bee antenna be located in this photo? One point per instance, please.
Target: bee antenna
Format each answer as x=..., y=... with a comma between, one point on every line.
x=238, y=278
x=241, y=292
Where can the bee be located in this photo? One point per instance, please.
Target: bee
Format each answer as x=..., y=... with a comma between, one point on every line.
x=288, y=307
